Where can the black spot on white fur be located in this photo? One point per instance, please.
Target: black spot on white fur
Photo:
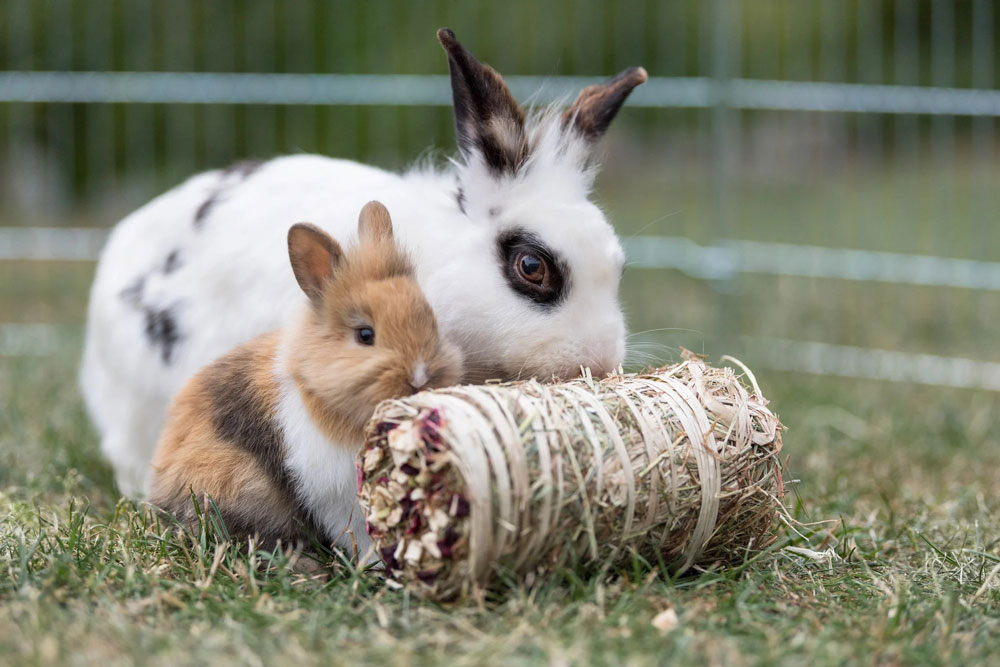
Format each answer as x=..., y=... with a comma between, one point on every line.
x=243, y=168
x=172, y=262
x=162, y=331
x=236, y=173
x=204, y=209
x=132, y=295
x=159, y=325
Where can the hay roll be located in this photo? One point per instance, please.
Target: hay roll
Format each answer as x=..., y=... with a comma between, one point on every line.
x=678, y=464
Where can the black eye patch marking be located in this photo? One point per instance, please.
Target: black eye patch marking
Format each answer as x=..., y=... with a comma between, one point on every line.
x=532, y=269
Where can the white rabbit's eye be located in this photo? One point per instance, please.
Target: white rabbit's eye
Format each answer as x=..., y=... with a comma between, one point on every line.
x=531, y=268
x=365, y=335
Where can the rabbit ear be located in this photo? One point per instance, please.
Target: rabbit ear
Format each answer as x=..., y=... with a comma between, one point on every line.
x=314, y=255
x=487, y=117
x=597, y=105
x=374, y=224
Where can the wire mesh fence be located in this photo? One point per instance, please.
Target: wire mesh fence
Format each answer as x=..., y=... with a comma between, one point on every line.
x=811, y=142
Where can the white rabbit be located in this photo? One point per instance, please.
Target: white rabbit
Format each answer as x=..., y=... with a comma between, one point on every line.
x=521, y=268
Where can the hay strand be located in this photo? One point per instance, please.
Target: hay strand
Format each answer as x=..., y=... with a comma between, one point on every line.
x=679, y=463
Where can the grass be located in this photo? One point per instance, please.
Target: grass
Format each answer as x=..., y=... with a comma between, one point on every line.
x=909, y=478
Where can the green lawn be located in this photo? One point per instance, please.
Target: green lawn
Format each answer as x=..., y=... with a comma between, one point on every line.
x=909, y=477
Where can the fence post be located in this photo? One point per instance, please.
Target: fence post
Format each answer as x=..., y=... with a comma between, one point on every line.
x=723, y=127
x=724, y=159
x=983, y=73
x=984, y=129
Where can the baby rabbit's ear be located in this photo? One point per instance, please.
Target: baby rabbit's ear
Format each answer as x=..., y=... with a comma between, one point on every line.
x=374, y=224
x=488, y=120
x=598, y=105
x=314, y=255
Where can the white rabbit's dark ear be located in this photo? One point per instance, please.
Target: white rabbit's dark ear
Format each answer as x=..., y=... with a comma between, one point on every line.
x=374, y=224
x=487, y=117
x=314, y=256
x=598, y=105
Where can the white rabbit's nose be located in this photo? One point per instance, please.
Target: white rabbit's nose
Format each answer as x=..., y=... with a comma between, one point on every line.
x=419, y=377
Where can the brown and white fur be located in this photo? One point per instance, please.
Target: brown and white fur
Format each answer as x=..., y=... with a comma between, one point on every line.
x=270, y=431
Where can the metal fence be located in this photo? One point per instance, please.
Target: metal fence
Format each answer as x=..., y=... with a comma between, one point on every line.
x=874, y=123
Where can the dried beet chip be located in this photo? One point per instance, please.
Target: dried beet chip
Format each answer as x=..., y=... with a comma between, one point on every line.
x=461, y=506
x=415, y=524
x=388, y=558
x=406, y=504
x=427, y=576
x=430, y=430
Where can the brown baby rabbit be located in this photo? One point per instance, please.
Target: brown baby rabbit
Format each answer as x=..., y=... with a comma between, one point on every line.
x=270, y=430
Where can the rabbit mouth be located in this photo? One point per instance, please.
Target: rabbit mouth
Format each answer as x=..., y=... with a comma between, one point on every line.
x=483, y=374
x=558, y=367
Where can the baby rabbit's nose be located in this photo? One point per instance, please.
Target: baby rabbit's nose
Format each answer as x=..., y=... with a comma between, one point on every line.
x=419, y=377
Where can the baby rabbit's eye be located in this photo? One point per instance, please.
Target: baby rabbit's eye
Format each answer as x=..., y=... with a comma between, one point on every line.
x=365, y=335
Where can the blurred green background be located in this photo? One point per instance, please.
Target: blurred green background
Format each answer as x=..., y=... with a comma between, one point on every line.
x=903, y=183
x=910, y=469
